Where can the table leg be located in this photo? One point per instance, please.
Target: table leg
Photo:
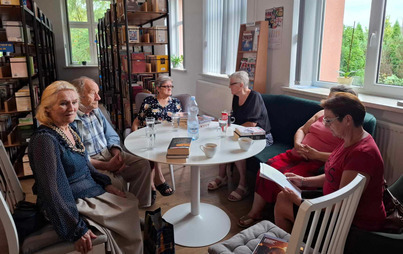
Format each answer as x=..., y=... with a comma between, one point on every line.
x=197, y=224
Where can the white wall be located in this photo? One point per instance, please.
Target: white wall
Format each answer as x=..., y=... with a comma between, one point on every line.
x=185, y=81
x=52, y=9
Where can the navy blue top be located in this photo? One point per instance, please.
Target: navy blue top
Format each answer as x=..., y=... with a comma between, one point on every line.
x=152, y=108
x=61, y=177
x=253, y=110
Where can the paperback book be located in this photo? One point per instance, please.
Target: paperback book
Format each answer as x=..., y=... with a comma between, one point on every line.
x=271, y=244
x=247, y=41
x=272, y=174
x=179, y=146
x=250, y=130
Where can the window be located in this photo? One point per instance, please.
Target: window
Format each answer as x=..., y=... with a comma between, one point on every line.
x=222, y=20
x=176, y=26
x=361, y=39
x=82, y=17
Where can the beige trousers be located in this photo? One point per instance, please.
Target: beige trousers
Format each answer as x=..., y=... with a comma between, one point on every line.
x=137, y=174
x=117, y=219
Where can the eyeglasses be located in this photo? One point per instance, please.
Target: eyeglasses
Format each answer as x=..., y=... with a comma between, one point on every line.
x=329, y=121
x=167, y=86
x=231, y=84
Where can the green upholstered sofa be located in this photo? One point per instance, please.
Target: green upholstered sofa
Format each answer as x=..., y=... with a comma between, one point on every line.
x=287, y=114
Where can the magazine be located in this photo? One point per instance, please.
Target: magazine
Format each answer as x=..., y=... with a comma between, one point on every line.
x=271, y=244
x=270, y=173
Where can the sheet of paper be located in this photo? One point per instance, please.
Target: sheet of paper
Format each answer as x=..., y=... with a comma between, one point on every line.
x=272, y=174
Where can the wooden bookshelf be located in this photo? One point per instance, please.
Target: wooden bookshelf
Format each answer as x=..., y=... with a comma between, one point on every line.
x=258, y=80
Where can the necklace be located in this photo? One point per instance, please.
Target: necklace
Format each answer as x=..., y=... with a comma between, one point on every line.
x=79, y=147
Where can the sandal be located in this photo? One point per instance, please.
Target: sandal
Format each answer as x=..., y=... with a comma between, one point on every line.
x=235, y=196
x=213, y=185
x=153, y=196
x=163, y=188
x=247, y=221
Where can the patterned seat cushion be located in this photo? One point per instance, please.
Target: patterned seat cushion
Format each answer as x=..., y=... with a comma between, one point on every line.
x=245, y=241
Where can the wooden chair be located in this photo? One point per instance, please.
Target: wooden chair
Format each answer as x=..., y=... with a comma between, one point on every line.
x=328, y=234
x=339, y=209
x=43, y=241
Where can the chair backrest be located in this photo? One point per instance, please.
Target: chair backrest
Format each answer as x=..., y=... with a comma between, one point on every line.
x=11, y=194
x=328, y=235
x=11, y=186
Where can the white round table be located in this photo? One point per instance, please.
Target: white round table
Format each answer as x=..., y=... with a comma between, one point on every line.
x=193, y=221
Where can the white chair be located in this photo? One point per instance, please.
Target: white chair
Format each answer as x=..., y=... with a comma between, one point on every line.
x=44, y=240
x=339, y=209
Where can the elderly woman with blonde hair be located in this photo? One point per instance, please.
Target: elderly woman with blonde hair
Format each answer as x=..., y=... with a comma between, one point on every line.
x=71, y=193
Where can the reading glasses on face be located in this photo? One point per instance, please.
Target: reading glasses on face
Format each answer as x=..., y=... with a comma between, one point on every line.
x=231, y=84
x=167, y=86
x=329, y=120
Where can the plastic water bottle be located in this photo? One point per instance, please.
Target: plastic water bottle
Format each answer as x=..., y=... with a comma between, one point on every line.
x=193, y=121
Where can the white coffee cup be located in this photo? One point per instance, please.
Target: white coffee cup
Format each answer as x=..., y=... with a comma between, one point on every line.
x=245, y=143
x=209, y=149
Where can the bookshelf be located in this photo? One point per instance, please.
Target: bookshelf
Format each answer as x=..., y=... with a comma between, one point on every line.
x=133, y=50
x=27, y=66
x=252, y=53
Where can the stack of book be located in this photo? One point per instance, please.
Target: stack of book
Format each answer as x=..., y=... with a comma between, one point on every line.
x=204, y=121
x=179, y=148
x=249, y=132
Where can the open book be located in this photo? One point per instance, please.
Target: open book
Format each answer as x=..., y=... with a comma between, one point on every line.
x=272, y=174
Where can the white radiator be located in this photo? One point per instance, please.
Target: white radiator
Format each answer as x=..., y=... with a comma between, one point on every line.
x=213, y=98
x=389, y=138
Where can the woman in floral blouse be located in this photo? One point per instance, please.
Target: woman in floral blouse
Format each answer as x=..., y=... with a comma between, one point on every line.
x=161, y=107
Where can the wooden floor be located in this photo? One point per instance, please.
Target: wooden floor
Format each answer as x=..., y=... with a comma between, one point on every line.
x=182, y=195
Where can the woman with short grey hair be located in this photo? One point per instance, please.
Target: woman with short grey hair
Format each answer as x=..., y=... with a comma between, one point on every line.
x=161, y=107
x=249, y=110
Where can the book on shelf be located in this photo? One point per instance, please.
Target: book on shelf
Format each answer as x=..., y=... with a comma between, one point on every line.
x=255, y=38
x=271, y=244
x=272, y=174
x=247, y=41
x=179, y=146
x=248, y=64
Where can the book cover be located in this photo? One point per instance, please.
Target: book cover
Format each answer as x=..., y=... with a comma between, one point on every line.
x=247, y=41
x=271, y=244
x=179, y=145
x=250, y=130
x=272, y=174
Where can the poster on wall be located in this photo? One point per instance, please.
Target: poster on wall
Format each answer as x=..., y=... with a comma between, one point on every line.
x=275, y=18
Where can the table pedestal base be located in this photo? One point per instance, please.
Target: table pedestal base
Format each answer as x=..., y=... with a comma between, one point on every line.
x=210, y=226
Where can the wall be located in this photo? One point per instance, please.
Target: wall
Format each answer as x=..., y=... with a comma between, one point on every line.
x=53, y=10
x=185, y=81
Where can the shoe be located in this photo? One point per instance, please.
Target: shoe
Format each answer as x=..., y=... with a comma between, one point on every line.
x=246, y=221
x=163, y=188
x=235, y=196
x=213, y=185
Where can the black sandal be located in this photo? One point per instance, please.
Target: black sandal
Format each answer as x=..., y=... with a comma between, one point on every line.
x=153, y=196
x=163, y=187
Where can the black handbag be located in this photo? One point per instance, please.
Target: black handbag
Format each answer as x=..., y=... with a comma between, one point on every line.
x=27, y=219
x=158, y=234
x=394, y=213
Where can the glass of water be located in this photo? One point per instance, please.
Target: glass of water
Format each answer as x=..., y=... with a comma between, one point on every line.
x=175, y=121
x=150, y=132
x=222, y=127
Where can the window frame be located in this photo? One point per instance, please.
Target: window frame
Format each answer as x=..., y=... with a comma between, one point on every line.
x=174, y=30
x=307, y=74
x=91, y=25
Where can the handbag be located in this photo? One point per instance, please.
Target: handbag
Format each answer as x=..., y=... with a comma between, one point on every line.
x=27, y=219
x=394, y=213
x=158, y=234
